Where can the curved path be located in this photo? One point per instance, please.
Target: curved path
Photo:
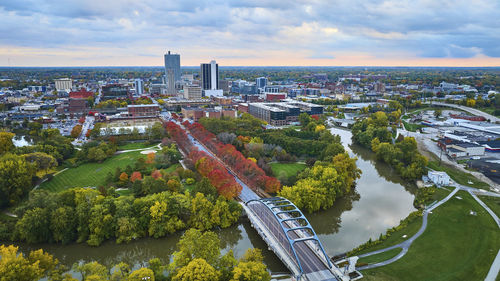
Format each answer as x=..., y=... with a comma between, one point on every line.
x=405, y=245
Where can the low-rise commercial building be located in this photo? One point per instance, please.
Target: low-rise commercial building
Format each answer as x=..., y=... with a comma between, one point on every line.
x=283, y=113
x=143, y=110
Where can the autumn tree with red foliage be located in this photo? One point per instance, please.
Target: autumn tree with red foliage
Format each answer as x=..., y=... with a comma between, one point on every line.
x=246, y=169
x=135, y=176
x=206, y=165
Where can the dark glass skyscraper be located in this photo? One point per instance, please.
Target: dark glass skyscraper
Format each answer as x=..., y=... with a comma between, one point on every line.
x=209, y=73
x=173, y=62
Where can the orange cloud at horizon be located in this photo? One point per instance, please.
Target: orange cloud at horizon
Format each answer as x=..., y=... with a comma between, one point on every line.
x=231, y=57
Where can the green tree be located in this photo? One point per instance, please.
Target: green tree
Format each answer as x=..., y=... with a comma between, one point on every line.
x=251, y=268
x=42, y=161
x=15, y=178
x=197, y=270
x=92, y=271
x=14, y=266
x=142, y=274
x=33, y=227
x=6, y=143
x=63, y=224
x=201, y=209
x=196, y=244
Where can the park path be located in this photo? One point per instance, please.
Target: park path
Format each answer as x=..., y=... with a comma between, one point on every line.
x=405, y=245
x=158, y=146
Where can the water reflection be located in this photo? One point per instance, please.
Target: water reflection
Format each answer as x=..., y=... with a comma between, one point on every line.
x=380, y=200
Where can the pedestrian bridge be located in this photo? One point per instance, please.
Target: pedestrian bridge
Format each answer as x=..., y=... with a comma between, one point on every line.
x=289, y=235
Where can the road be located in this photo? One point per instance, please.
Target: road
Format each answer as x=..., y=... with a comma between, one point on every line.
x=472, y=111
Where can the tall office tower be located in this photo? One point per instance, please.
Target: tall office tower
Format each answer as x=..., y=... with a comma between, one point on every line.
x=209, y=76
x=170, y=82
x=173, y=61
x=139, y=87
x=261, y=82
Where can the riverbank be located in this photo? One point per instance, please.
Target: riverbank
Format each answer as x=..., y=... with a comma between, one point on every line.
x=434, y=256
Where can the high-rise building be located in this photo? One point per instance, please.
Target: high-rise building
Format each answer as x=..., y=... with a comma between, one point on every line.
x=139, y=87
x=173, y=62
x=209, y=73
x=171, y=82
x=63, y=84
x=261, y=82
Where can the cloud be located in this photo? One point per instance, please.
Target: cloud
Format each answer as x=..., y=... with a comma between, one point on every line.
x=237, y=31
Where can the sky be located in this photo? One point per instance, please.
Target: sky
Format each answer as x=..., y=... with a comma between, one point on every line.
x=250, y=33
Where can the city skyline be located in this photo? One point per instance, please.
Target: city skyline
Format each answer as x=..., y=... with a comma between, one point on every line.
x=251, y=33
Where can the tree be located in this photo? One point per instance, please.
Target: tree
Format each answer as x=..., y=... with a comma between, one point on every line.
x=14, y=266
x=15, y=178
x=142, y=274
x=197, y=270
x=123, y=178
x=63, y=224
x=438, y=113
x=135, y=176
x=76, y=131
x=6, y=143
x=42, y=161
x=201, y=209
x=251, y=268
x=196, y=244
x=92, y=271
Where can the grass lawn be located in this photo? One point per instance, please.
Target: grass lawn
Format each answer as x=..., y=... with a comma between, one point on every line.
x=455, y=246
x=172, y=168
x=492, y=202
x=458, y=176
x=136, y=145
x=125, y=192
x=412, y=127
x=90, y=174
x=380, y=257
x=289, y=169
x=396, y=237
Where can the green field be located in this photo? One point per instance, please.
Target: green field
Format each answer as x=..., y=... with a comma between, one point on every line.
x=455, y=246
x=412, y=127
x=288, y=169
x=458, y=176
x=90, y=174
x=493, y=203
x=380, y=257
x=136, y=145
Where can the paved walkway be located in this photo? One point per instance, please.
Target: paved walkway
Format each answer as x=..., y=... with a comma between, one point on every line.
x=405, y=245
x=494, y=269
x=158, y=146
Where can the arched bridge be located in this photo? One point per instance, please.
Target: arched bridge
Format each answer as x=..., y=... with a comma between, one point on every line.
x=288, y=233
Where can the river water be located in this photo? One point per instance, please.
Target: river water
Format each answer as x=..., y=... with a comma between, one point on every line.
x=380, y=200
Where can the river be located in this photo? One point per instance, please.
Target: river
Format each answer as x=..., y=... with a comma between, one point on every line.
x=380, y=200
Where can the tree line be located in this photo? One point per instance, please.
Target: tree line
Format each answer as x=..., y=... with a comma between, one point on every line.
x=85, y=215
x=402, y=153
x=198, y=257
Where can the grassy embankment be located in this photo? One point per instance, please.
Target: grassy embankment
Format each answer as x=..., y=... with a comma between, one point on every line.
x=136, y=145
x=455, y=246
x=90, y=174
x=458, y=176
x=492, y=202
x=287, y=169
x=402, y=234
